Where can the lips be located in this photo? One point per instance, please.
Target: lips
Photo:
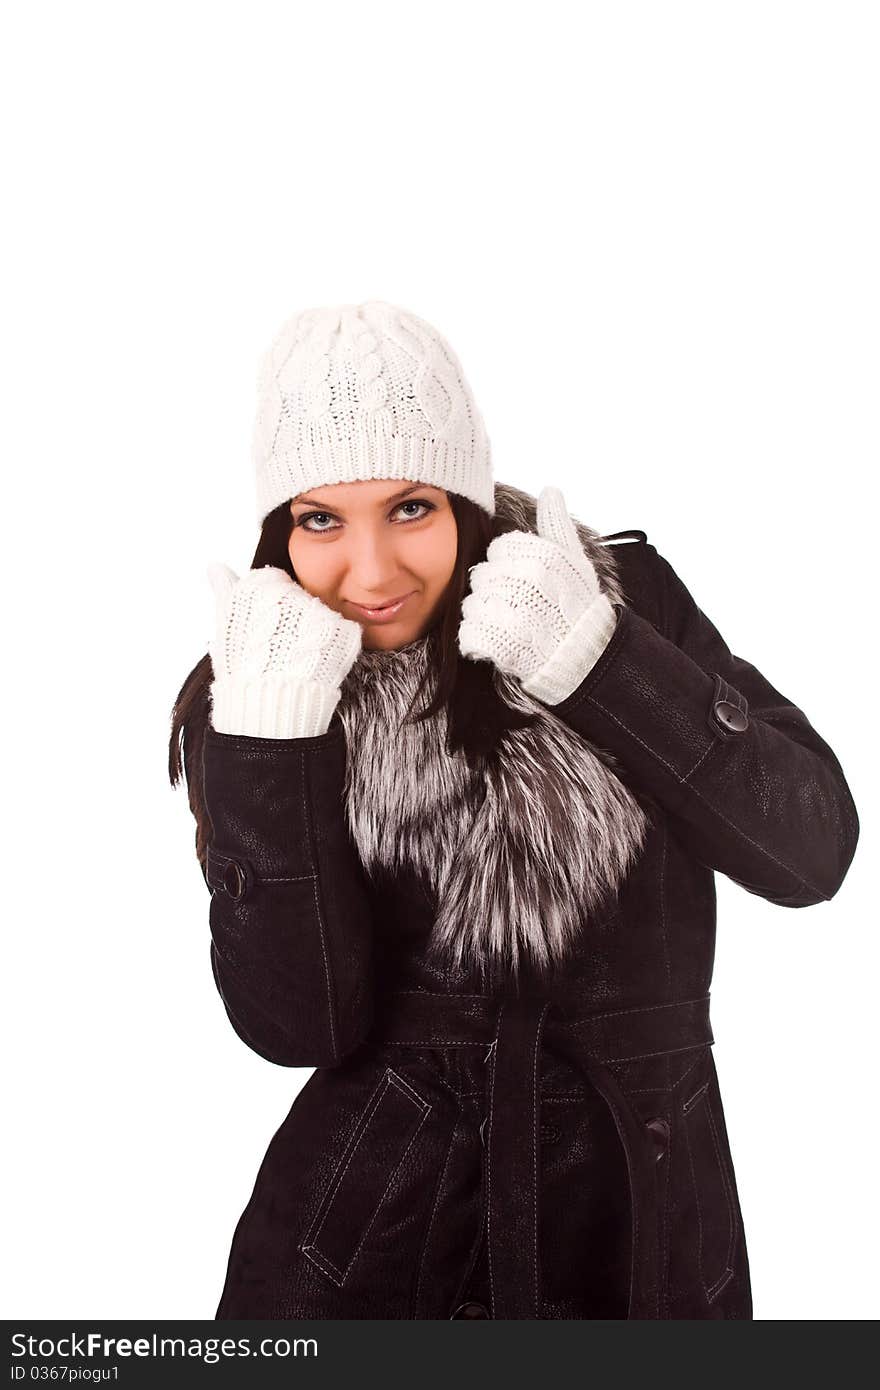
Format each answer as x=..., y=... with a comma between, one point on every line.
x=390, y=604
x=385, y=610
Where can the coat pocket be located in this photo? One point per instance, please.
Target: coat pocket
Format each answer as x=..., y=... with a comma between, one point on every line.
x=386, y=1127
x=717, y=1219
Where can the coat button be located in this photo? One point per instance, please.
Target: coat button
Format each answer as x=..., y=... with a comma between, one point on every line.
x=470, y=1310
x=731, y=716
x=659, y=1132
x=233, y=879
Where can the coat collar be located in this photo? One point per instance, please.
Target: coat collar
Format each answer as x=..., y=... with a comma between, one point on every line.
x=519, y=855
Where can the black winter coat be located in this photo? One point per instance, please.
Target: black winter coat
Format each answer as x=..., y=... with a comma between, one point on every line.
x=519, y=1155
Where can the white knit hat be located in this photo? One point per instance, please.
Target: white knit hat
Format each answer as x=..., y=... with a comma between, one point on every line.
x=366, y=390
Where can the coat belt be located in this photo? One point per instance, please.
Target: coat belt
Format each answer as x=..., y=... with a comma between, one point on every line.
x=513, y=1030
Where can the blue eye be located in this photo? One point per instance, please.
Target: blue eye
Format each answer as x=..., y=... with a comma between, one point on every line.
x=415, y=502
x=307, y=516
x=409, y=502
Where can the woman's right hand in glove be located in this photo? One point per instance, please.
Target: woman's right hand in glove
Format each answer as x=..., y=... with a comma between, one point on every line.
x=279, y=655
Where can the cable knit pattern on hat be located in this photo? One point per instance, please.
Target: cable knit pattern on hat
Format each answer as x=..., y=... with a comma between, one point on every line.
x=360, y=391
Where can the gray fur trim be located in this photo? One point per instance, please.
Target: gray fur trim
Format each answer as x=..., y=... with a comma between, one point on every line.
x=519, y=856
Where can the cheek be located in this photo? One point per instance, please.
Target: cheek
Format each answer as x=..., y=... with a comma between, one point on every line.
x=311, y=565
x=434, y=555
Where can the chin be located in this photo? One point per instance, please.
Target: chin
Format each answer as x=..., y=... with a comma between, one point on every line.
x=386, y=640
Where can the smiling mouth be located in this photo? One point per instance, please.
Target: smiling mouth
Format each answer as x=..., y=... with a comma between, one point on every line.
x=381, y=607
x=390, y=603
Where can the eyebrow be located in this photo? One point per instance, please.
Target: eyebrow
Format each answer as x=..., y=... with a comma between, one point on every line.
x=414, y=487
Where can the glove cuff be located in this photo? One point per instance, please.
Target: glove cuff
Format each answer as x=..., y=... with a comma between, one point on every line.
x=576, y=655
x=272, y=706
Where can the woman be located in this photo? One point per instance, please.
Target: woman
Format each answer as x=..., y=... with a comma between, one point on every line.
x=486, y=920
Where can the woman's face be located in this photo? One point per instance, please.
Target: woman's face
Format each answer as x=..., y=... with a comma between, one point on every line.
x=367, y=542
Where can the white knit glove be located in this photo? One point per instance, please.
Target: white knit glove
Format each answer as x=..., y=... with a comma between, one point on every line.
x=279, y=655
x=535, y=608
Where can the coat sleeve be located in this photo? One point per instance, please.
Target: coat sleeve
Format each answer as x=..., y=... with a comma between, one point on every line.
x=290, y=919
x=751, y=788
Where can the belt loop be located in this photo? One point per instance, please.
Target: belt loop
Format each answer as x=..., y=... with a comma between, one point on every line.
x=513, y=1156
x=644, y=1232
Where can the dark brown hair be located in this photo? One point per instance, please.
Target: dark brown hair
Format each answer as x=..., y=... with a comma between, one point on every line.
x=476, y=715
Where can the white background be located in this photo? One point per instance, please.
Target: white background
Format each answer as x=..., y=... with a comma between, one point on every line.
x=650, y=232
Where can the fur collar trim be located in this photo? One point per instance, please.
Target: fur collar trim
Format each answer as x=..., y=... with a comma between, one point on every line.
x=518, y=856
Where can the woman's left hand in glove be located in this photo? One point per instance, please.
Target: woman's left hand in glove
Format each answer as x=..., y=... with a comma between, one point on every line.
x=536, y=608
